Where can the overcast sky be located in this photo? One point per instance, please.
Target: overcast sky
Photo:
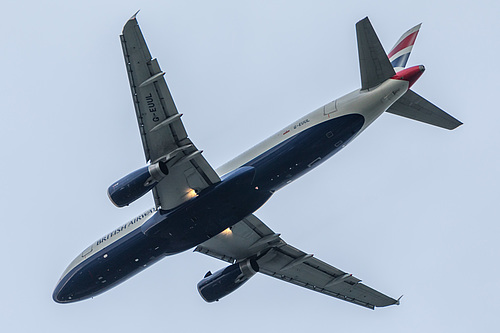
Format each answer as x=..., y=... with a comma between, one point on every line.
x=408, y=208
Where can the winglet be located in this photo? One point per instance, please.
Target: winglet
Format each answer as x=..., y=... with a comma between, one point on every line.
x=399, y=299
x=133, y=16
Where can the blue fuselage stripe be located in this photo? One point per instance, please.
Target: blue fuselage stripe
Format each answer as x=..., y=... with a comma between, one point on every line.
x=299, y=154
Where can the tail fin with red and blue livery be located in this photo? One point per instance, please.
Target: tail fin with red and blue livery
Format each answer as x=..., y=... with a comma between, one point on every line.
x=401, y=51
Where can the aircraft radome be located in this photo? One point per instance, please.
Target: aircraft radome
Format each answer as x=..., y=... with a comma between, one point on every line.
x=211, y=210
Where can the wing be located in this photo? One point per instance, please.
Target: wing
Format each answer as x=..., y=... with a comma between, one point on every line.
x=252, y=238
x=162, y=132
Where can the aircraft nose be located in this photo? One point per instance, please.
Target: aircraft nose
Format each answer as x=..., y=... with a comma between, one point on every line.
x=56, y=296
x=59, y=296
x=62, y=296
x=63, y=292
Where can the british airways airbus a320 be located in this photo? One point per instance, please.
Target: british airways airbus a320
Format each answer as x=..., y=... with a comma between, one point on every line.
x=212, y=210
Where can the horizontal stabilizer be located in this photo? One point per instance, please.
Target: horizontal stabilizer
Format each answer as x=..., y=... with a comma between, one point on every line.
x=413, y=106
x=374, y=64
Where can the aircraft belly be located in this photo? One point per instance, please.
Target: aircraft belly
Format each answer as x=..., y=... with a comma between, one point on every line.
x=220, y=206
x=214, y=210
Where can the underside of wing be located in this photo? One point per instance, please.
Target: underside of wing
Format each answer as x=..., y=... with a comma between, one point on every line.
x=163, y=135
x=295, y=266
x=251, y=238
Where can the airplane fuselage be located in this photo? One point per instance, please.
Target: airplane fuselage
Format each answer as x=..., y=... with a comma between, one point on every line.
x=247, y=182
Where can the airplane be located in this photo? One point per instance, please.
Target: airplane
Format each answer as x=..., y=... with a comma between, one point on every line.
x=211, y=210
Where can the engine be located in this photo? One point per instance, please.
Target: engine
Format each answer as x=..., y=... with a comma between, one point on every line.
x=215, y=286
x=136, y=184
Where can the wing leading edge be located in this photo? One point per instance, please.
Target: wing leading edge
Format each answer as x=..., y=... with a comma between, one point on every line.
x=252, y=238
x=162, y=132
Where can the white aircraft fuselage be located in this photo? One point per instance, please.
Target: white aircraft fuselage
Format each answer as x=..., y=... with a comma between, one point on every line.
x=247, y=182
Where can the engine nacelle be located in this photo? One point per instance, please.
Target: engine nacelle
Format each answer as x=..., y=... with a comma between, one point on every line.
x=136, y=184
x=215, y=286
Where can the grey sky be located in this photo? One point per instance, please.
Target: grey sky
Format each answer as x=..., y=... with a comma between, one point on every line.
x=408, y=208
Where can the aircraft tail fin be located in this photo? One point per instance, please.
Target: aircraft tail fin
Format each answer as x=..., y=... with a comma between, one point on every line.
x=412, y=105
x=401, y=51
x=374, y=65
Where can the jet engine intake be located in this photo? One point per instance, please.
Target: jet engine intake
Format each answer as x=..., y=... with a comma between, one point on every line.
x=223, y=282
x=136, y=184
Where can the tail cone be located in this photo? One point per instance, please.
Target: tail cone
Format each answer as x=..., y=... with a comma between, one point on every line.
x=410, y=74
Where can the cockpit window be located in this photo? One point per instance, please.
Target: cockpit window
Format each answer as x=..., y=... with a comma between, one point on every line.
x=87, y=251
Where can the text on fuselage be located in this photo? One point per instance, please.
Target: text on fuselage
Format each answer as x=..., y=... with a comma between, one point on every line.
x=124, y=227
x=302, y=123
